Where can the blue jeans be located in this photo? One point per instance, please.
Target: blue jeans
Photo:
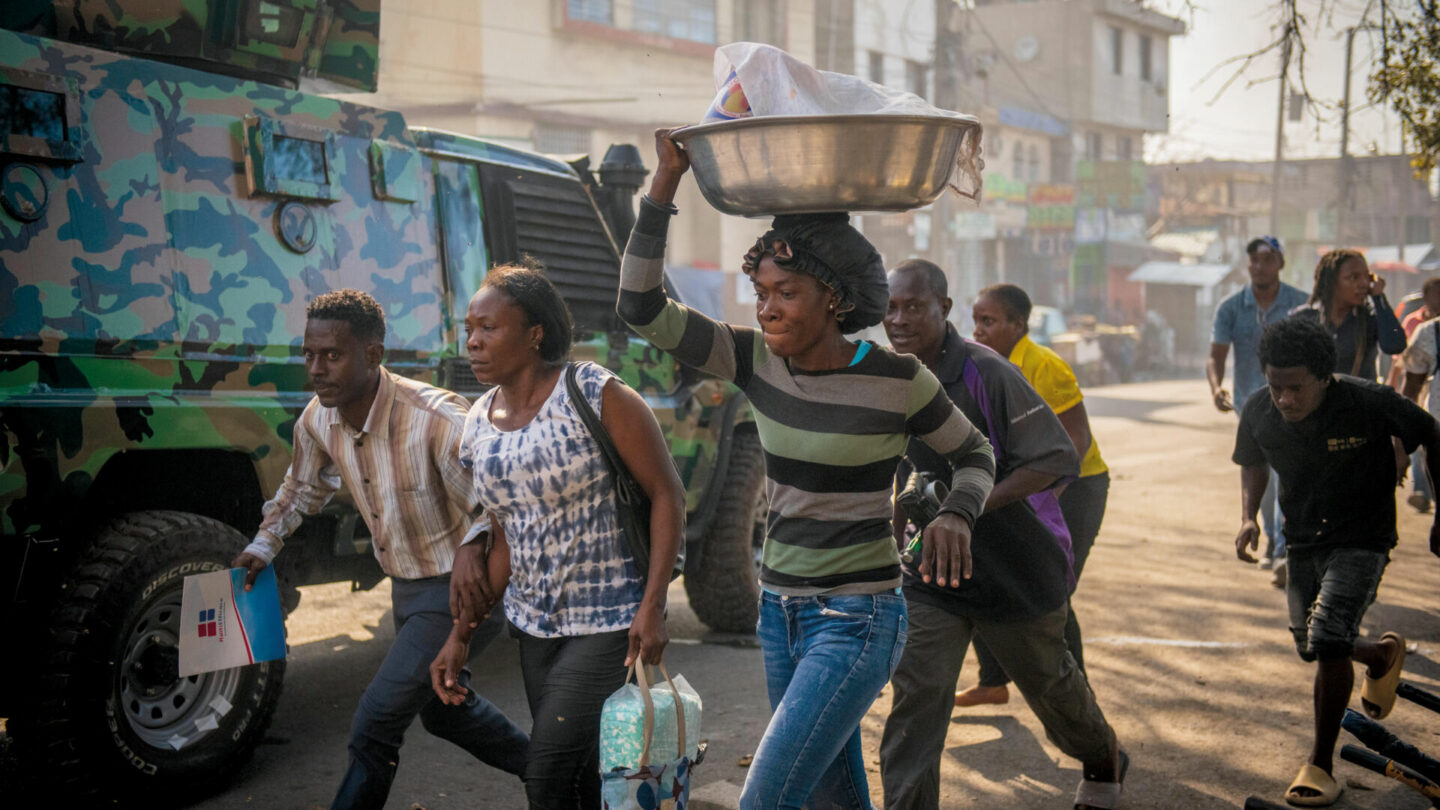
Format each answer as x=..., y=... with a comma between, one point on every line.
x=826, y=660
x=1272, y=518
x=1418, y=474
x=401, y=689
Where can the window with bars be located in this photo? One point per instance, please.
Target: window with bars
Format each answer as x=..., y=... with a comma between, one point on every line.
x=682, y=19
x=917, y=78
x=556, y=139
x=877, y=67
x=596, y=11
x=760, y=21
x=1093, y=144
x=835, y=35
x=1417, y=231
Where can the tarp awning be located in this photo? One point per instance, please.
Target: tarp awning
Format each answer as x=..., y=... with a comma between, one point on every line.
x=1190, y=275
x=1191, y=244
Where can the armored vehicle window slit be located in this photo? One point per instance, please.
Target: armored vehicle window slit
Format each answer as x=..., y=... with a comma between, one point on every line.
x=34, y=113
x=275, y=24
x=39, y=115
x=289, y=160
x=299, y=159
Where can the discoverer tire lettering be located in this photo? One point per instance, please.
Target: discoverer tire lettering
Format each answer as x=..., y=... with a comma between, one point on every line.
x=111, y=710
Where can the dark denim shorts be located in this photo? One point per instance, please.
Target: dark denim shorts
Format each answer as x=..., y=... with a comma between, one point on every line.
x=1329, y=591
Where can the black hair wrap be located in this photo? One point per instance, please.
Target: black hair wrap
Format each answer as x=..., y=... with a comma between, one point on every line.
x=827, y=247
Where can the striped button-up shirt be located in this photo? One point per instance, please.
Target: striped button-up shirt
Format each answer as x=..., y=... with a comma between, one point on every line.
x=402, y=469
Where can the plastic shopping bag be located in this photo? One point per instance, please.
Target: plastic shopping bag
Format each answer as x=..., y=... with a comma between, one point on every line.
x=622, y=720
x=632, y=725
x=730, y=102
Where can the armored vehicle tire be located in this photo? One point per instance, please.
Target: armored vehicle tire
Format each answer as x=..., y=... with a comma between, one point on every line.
x=113, y=718
x=724, y=588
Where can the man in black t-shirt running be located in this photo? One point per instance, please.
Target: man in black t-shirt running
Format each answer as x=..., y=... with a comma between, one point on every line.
x=1328, y=437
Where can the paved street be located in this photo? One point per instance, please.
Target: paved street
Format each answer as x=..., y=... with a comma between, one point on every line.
x=1186, y=647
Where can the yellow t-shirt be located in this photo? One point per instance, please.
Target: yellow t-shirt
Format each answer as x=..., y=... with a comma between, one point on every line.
x=1056, y=384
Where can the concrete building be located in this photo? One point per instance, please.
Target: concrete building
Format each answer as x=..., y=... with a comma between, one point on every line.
x=1075, y=85
x=891, y=42
x=1387, y=211
x=569, y=77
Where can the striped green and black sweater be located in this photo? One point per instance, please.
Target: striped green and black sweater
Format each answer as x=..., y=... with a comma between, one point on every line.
x=832, y=439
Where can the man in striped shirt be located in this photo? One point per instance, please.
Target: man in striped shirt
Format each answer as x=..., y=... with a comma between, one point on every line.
x=392, y=442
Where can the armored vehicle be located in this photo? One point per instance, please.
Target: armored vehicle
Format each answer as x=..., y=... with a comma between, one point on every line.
x=170, y=200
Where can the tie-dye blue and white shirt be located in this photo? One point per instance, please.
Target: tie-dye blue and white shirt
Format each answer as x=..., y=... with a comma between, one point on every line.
x=570, y=573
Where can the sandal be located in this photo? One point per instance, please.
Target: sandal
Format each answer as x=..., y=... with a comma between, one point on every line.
x=1378, y=695
x=1311, y=777
x=1103, y=795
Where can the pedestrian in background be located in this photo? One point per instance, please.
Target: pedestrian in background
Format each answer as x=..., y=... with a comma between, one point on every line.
x=391, y=441
x=579, y=604
x=1349, y=301
x=1018, y=599
x=833, y=418
x=1420, y=361
x=1239, y=322
x=1421, y=492
x=1002, y=318
x=1328, y=436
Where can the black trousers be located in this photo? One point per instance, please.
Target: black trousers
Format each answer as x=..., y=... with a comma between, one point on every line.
x=566, y=683
x=1083, y=505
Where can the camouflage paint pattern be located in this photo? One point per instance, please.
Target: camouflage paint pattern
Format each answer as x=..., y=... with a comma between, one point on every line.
x=277, y=41
x=157, y=300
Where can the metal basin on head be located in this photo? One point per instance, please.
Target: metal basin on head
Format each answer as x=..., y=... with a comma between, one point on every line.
x=798, y=164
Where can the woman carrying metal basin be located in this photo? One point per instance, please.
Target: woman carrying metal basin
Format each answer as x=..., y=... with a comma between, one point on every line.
x=833, y=417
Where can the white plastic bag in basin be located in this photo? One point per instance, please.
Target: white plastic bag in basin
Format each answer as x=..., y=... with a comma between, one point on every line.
x=776, y=83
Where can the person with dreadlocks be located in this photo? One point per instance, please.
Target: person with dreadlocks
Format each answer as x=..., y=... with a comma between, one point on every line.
x=1361, y=328
x=834, y=417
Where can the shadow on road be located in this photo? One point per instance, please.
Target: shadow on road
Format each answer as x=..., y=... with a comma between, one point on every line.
x=1144, y=410
x=998, y=758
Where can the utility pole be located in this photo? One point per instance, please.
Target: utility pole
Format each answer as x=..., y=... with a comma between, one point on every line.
x=1347, y=167
x=946, y=68
x=1279, y=137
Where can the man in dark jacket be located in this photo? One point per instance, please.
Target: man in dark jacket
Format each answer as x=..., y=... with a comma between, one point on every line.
x=1017, y=598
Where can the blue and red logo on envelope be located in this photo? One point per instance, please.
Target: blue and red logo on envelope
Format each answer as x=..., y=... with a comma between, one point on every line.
x=207, y=623
x=209, y=626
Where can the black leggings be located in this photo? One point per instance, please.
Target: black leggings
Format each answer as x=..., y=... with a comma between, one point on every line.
x=566, y=683
x=1083, y=505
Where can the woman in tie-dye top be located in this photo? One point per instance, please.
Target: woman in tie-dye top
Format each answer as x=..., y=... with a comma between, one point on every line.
x=581, y=607
x=833, y=418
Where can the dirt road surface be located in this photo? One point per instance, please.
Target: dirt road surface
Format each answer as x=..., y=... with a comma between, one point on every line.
x=1187, y=651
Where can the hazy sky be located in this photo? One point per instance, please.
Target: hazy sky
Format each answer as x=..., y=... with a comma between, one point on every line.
x=1240, y=123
